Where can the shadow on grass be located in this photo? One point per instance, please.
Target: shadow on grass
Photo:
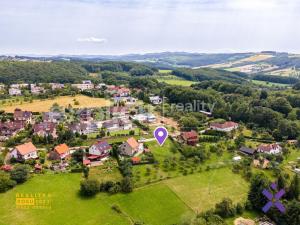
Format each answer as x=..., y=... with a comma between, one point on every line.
x=82, y=196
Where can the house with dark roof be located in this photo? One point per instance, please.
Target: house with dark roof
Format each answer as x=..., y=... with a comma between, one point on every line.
x=190, y=138
x=20, y=115
x=45, y=129
x=24, y=152
x=247, y=151
x=85, y=114
x=99, y=150
x=83, y=128
x=54, y=117
x=10, y=128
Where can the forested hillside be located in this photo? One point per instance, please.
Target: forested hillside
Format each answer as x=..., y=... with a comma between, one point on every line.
x=41, y=72
x=133, y=69
x=210, y=74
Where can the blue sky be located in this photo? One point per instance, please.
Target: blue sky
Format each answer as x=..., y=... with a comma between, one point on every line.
x=139, y=26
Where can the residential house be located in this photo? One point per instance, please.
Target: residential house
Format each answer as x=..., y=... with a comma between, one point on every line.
x=83, y=128
x=126, y=100
x=85, y=114
x=269, y=148
x=24, y=152
x=23, y=85
x=112, y=125
x=36, y=90
x=53, y=117
x=247, y=151
x=118, y=111
x=122, y=92
x=55, y=86
x=10, y=128
x=61, y=151
x=20, y=115
x=144, y=117
x=85, y=85
x=131, y=147
x=14, y=91
x=224, y=127
x=100, y=86
x=155, y=100
x=117, y=124
x=45, y=129
x=99, y=150
x=190, y=138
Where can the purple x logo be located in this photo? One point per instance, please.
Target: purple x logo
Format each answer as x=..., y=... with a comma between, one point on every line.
x=274, y=199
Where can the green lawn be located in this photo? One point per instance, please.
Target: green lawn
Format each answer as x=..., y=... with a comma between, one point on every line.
x=186, y=83
x=269, y=84
x=154, y=205
x=202, y=191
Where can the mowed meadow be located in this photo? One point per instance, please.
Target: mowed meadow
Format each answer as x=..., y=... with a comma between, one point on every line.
x=78, y=101
x=167, y=202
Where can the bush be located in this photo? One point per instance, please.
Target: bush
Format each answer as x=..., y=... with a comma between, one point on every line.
x=20, y=173
x=239, y=208
x=225, y=208
x=127, y=185
x=5, y=182
x=89, y=187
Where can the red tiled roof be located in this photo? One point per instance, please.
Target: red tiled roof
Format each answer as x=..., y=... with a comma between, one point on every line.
x=135, y=159
x=224, y=125
x=189, y=135
x=132, y=142
x=26, y=148
x=61, y=149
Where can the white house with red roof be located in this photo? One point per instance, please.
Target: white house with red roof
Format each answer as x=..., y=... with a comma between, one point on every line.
x=99, y=150
x=25, y=151
x=224, y=127
x=131, y=147
x=269, y=148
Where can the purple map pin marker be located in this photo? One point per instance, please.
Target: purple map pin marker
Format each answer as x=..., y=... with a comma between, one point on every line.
x=161, y=134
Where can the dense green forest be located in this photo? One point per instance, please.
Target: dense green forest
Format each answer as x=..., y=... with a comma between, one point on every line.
x=202, y=74
x=276, y=79
x=41, y=72
x=133, y=69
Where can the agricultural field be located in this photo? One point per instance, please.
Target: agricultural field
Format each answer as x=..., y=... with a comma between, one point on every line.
x=257, y=58
x=45, y=105
x=269, y=84
x=166, y=202
x=208, y=188
x=173, y=80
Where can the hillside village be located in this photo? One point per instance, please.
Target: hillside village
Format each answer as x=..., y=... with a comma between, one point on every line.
x=113, y=146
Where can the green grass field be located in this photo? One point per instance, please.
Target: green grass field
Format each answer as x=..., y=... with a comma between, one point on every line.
x=269, y=84
x=166, y=202
x=202, y=191
x=186, y=83
x=154, y=205
x=173, y=80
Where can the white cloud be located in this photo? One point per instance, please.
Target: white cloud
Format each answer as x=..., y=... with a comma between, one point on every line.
x=92, y=40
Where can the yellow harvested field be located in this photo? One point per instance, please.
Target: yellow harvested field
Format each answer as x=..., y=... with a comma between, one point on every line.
x=256, y=58
x=45, y=105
